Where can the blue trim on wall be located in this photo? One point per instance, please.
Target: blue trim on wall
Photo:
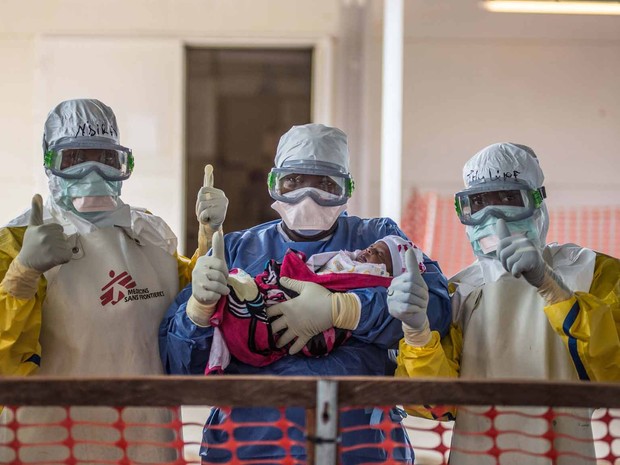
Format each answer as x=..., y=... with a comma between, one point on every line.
x=572, y=342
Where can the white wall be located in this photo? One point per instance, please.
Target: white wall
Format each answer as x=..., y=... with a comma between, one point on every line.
x=18, y=140
x=471, y=78
x=560, y=98
x=130, y=55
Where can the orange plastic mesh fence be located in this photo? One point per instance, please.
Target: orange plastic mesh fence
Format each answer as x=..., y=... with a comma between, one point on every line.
x=128, y=435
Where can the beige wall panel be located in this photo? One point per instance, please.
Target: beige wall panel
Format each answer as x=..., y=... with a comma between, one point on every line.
x=20, y=154
x=142, y=80
x=560, y=98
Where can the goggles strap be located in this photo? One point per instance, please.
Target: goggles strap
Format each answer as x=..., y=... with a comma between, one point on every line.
x=349, y=186
x=539, y=194
x=271, y=180
x=48, y=158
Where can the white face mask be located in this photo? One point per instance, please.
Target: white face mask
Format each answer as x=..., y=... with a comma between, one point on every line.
x=91, y=193
x=488, y=244
x=95, y=204
x=484, y=240
x=308, y=215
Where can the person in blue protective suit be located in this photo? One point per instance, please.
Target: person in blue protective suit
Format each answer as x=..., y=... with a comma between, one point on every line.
x=86, y=279
x=311, y=185
x=524, y=309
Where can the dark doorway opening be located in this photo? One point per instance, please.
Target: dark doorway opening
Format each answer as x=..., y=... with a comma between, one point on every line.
x=238, y=104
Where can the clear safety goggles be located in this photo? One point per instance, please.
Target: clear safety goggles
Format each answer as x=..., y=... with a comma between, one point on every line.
x=75, y=163
x=475, y=204
x=323, y=182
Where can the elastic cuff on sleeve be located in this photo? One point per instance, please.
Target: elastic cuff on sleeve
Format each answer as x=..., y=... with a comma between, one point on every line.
x=198, y=313
x=415, y=337
x=20, y=281
x=553, y=289
x=205, y=238
x=346, y=310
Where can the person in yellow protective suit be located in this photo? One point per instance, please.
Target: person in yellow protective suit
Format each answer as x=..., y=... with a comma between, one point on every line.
x=86, y=280
x=524, y=310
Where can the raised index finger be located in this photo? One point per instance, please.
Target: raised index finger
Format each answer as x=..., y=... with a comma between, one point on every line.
x=218, y=245
x=501, y=229
x=208, y=179
x=36, y=212
x=411, y=262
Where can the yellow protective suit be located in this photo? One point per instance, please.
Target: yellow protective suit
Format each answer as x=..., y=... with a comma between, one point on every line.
x=97, y=315
x=20, y=319
x=595, y=331
x=503, y=329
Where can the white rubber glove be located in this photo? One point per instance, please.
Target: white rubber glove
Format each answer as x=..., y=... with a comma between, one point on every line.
x=520, y=257
x=208, y=283
x=408, y=300
x=205, y=230
x=45, y=246
x=211, y=206
x=314, y=310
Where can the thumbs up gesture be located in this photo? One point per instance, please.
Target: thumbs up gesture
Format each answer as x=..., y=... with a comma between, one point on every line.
x=519, y=256
x=408, y=295
x=45, y=245
x=210, y=274
x=212, y=203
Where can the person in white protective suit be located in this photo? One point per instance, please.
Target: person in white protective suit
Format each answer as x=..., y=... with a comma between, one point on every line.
x=523, y=310
x=86, y=280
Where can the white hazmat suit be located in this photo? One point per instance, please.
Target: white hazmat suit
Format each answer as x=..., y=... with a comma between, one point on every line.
x=87, y=280
x=524, y=310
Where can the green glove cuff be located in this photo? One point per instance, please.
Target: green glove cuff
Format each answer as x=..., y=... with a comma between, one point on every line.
x=346, y=310
x=417, y=337
x=20, y=281
x=200, y=314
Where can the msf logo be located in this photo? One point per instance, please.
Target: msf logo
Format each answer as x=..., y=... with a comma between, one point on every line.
x=116, y=286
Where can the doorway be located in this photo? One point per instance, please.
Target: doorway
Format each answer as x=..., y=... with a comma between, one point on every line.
x=238, y=104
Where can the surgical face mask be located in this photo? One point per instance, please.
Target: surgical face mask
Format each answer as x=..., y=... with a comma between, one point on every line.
x=95, y=204
x=307, y=215
x=483, y=237
x=90, y=193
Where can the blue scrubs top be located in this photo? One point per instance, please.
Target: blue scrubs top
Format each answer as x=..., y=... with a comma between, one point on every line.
x=185, y=347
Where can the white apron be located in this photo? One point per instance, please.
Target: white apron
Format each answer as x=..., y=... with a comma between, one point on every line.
x=506, y=335
x=101, y=317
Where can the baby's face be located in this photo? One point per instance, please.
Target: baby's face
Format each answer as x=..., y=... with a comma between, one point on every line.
x=377, y=253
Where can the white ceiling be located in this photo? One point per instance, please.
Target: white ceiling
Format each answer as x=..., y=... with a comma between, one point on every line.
x=466, y=19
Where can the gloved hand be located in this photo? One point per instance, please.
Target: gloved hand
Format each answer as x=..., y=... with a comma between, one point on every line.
x=208, y=283
x=314, y=310
x=211, y=206
x=408, y=295
x=519, y=256
x=407, y=301
x=45, y=245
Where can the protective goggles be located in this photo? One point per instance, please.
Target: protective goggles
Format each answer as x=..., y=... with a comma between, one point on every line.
x=327, y=186
x=510, y=201
x=75, y=163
